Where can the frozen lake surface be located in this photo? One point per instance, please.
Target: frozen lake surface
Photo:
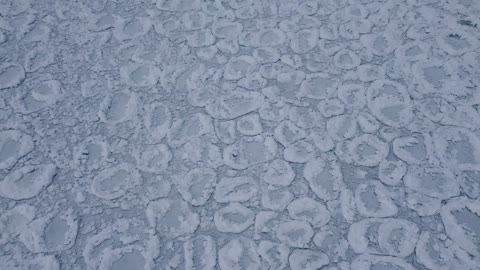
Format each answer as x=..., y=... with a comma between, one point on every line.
x=240, y=134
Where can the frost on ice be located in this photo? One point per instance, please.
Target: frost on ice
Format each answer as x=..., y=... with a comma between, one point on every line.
x=233, y=218
x=118, y=107
x=91, y=154
x=279, y=172
x=153, y=158
x=318, y=86
x=373, y=200
x=367, y=150
x=304, y=259
x=391, y=172
x=132, y=247
x=11, y=75
x=332, y=243
x=295, y=233
x=172, y=218
x=240, y=134
x=309, y=210
x=15, y=221
x=274, y=254
x=54, y=232
x=197, y=185
x=276, y=198
x=113, y=183
x=43, y=95
x=390, y=103
x=13, y=146
x=140, y=75
x=200, y=253
x=240, y=253
x=461, y=217
x=27, y=182
x=391, y=236
x=235, y=104
x=239, y=67
x=299, y=152
x=287, y=133
x=183, y=130
x=434, y=252
x=247, y=152
x=457, y=147
x=434, y=182
x=40, y=262
x=236, y=189
x=414, y=149
x=325, y=178
x=36, y=59
x=366, y=261
x=249, y=125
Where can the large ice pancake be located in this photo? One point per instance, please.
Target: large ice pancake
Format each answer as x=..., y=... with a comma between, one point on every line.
x=235, y=104
x=248, y=152
x=11, y=75
x=14, y=145
x=457, y=147
x=239, y=253
x=27, y=182
x=461, y=217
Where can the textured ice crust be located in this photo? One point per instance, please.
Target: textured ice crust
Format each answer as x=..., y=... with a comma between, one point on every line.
x=240, y=135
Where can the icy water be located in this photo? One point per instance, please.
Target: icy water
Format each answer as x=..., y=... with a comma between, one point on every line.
x=240, y=134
